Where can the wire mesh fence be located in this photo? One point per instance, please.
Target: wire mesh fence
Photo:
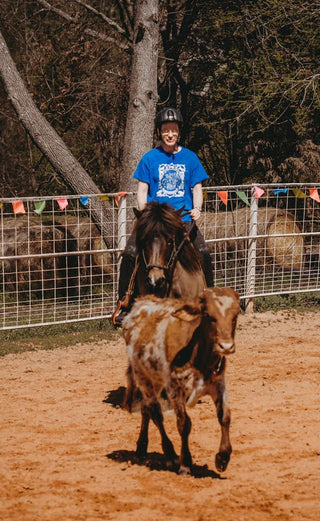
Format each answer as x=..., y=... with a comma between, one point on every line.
x=58, y=266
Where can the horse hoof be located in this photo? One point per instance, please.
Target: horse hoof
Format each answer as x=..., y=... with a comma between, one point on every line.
x=222, y=460
x=141, y=452
x=173, y=464
x=184, y=471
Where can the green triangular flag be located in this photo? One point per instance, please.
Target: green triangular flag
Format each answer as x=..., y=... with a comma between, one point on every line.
x=39, y=206
x=243, y=197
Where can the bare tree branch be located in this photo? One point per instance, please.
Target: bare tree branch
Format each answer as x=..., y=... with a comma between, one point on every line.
x=48, y=140
x=105, y=18
x=90, y=32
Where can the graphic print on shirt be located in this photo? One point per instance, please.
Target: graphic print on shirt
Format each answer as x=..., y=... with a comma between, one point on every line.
x=171, y=180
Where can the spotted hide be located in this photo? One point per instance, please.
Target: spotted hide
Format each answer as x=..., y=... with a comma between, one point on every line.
x=180, y=347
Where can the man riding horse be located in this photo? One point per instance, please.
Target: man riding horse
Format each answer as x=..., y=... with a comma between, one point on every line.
x=169, y=173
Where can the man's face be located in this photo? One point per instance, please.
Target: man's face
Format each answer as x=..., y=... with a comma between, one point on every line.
x=169, y=133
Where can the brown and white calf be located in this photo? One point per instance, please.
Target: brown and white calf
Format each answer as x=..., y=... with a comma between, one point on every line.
x=180, y=347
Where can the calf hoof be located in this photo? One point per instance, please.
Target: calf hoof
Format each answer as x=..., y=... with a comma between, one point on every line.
x=222, y=460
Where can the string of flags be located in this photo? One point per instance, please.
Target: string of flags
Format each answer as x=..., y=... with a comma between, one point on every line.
x=258, y=192
x=39, y=206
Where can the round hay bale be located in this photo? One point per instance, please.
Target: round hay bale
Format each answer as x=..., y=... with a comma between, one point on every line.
x=287, y=252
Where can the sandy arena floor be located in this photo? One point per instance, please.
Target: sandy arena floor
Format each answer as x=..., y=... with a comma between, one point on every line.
x=67, y=447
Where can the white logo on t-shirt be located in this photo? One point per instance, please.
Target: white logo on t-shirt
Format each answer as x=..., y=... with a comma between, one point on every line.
x=171, y=180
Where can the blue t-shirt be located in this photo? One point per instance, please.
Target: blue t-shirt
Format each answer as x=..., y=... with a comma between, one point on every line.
x=171, y=177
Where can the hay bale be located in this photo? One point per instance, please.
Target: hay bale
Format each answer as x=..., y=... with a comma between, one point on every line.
x=287, y=252
x=85, y=237
x=40, y=236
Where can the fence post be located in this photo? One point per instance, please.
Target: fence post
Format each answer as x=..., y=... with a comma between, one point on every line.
x=122, y=230
x=252, y=252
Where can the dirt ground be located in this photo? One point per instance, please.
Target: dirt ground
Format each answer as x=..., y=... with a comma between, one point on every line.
x=67, y=446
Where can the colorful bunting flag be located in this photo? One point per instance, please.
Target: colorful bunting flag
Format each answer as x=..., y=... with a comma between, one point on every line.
x=84, y=200
x=119, y=194
x=314, y=194
x=103, y=197
x=223, y=196
x=280, y=191
x=39, y=206
x=1, y=205
x=63, y=203
x=18, y=207
x=243, y=197
x=299, y=193
x=258, y=192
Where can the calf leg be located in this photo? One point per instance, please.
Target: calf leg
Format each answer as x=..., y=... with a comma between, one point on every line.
x=142, y=443
x=223, y=413
x=184, y=428
x=169, y=452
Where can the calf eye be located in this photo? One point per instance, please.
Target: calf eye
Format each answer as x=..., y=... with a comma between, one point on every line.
x=210, y=318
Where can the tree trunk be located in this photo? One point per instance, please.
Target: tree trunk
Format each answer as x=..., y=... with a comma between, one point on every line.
x=50, y=143
x=143, y=90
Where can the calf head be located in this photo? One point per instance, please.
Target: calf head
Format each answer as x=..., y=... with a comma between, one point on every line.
x=220, y=308
x=217, y=310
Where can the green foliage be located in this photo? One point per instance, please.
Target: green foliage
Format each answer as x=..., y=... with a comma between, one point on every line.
x=297, y=301
x=57, y=336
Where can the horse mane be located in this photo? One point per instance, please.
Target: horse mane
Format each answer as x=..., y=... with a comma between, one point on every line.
x=161, y=219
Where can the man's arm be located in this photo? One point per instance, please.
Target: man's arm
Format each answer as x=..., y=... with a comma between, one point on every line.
x=197, y=201
x=142, y=194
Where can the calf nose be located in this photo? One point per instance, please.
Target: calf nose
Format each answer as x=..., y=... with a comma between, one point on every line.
x=227, y=347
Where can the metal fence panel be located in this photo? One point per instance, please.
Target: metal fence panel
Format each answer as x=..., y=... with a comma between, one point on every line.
x=57, y=268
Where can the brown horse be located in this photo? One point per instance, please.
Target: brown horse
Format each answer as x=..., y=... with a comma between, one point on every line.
x=167, y=262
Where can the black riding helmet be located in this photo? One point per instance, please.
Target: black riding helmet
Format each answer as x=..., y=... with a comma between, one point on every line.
x=168, y=115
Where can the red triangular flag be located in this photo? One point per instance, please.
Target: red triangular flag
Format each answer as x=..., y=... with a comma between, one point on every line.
x=63, y=203
x=258, y=192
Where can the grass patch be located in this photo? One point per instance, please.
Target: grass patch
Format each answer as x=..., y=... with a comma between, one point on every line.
x=301, y=302
x=58, y=335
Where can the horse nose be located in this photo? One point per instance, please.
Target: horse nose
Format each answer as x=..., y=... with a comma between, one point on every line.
x=157, y=285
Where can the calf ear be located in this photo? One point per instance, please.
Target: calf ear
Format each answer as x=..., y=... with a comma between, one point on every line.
x=234, y=293
x=187, y=313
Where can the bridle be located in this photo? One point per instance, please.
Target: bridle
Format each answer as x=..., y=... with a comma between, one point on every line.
x=169, y=268
x=165, y=268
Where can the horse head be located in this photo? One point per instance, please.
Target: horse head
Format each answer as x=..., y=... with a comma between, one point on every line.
x=159, y=232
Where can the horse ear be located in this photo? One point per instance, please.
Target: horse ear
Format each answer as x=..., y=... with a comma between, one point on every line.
x=137, y=213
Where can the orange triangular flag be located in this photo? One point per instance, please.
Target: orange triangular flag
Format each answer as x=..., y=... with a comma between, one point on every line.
x=18, y=207
x=119, y=194
x=314, y=194
x=223, y=196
